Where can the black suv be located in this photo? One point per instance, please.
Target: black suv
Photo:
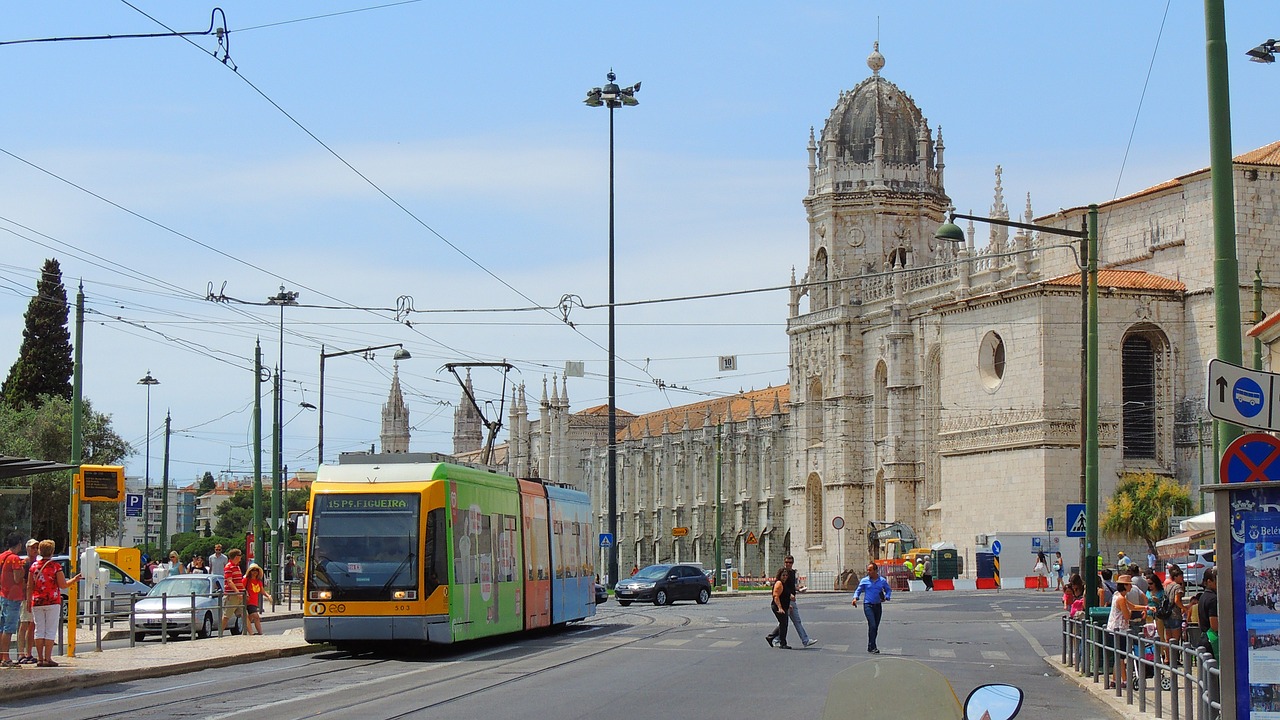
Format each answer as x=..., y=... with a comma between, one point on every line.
x=664, y=584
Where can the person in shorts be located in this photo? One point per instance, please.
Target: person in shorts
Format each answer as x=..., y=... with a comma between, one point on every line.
x=12, y=593
x=232, y=588
x=27, y=621
x=255, y=590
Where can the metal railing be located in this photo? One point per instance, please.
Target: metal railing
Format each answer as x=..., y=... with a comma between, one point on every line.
x=1183, y=677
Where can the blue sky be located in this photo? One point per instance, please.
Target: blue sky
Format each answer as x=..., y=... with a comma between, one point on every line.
x=469, y=116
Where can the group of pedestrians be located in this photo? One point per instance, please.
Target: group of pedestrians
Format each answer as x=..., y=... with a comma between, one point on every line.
x=873, y=590
x=31, y=585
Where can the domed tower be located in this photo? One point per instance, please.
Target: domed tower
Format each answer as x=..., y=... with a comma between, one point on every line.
x=858, y=410
x=875, y=187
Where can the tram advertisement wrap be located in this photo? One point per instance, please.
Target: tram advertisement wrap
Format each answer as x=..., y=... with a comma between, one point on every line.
x=484, y=541
x=1255, y=557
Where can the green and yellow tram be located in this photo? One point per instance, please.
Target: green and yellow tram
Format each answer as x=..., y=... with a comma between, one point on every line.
x=442, y=553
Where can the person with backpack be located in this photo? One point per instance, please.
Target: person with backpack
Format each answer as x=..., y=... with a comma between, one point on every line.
x=1173, y=590
x=12, y=593
x=45, y=583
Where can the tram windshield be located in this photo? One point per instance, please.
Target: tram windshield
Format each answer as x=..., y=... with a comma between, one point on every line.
x=364, y=546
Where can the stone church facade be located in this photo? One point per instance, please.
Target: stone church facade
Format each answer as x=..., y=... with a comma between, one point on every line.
x=932, y=384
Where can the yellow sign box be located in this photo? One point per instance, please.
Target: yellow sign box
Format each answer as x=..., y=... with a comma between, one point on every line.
x=100, y=483
x=679, y=531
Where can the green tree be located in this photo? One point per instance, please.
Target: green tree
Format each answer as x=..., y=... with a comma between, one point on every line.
x=44, y=361
x=235, y=515
x=207, y=484
x=43, y=431
x=1142, y=506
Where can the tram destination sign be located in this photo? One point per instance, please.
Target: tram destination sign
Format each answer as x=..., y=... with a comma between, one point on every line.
x=1242, y=396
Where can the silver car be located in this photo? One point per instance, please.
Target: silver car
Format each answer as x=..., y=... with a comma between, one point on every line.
x=168, y=608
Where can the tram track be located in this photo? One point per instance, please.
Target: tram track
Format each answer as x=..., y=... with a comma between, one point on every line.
x=497, y=669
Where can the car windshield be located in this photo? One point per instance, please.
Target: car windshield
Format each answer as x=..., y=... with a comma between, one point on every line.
x=180, y=586
x=653, y=572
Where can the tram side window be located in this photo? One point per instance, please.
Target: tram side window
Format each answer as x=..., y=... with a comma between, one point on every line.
x=435, y=563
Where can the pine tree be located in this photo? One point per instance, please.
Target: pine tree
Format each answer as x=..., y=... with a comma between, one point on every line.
x=44, y=363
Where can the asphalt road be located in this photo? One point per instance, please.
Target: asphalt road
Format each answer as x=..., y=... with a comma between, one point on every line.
x=681, y=661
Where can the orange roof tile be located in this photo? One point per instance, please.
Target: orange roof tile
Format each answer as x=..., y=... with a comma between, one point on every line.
x=1123, y=280
x=735, y=407
x=1267, y=323
x=1266, y=155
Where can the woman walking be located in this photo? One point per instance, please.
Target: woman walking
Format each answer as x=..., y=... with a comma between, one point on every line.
x=1118, y=622
x=781, y=606
x=1042, y=572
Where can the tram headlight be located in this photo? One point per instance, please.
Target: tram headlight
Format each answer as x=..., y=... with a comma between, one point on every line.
x=321, y=595
x=404, y=595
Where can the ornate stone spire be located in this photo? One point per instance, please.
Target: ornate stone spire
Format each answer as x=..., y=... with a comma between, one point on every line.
x=467, y=433
x=395, y=418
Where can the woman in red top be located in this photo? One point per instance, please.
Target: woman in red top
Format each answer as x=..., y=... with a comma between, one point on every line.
x=255, y=590
x=45, y=584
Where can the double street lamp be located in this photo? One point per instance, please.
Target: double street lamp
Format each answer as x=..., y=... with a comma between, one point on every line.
x=146, y=481
x=612, y=97
x=1088, y=264
x=401, y=354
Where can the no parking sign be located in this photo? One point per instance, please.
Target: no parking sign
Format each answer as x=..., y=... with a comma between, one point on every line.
x=1251, y=458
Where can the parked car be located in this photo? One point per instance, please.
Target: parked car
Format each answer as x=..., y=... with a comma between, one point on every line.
x=168, y=608
x=121, y=588
x=664, y=584
x=602, y=594
x=1197, y=562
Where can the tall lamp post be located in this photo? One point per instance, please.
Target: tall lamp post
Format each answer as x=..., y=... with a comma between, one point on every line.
x=283, y=298
x=401, y=354
x=612, y=97
x=146, y=481
x=1088, y=264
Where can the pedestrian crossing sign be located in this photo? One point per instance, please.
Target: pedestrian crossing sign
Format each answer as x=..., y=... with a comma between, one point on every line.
x=1075, y=520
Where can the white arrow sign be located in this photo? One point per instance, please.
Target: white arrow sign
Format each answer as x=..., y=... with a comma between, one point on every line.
x=1241, y=396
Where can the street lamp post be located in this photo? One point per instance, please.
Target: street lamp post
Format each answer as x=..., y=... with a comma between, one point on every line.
x=401, y=354
x=1088, y=264
x=612, y=97
x=283, y=298
x=146, y=480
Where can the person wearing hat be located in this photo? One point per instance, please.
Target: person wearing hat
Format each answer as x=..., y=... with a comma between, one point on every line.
x=1121, y=559
x=1122, y=609
x=255, y=590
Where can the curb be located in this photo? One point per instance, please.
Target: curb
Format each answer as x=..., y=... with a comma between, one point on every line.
x=94, y=678
x=1099, y=690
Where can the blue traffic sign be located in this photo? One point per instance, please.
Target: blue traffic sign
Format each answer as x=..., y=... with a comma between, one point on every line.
x=1075, y=520
x=133, y=504
x=1254, y=457
x=1048, y=524
x=995, y=548
x=606, y=539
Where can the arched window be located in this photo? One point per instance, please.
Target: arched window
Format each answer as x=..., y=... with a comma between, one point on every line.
x=1139, y=395
x=881, y=424
x=881, y=500
x=813, y=506
x=814, y=415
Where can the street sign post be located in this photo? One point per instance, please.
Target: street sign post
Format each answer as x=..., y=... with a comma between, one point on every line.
x=1242, y=396
x=606, y=540
x=133, y=505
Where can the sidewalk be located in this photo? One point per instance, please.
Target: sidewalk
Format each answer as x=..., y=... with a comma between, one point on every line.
x=1118, y=702
x=150, y=659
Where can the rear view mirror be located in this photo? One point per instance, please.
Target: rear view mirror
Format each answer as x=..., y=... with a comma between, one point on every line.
x=993, y=702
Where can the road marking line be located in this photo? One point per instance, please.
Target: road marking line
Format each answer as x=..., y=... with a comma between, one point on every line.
x=672, y=643
x=938, y=653
x=726, y=643
x=994, y=655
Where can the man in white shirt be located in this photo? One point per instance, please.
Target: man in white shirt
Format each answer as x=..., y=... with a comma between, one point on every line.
x=217, y=561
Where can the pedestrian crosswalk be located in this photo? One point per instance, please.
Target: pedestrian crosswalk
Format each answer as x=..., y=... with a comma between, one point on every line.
x=951, y=652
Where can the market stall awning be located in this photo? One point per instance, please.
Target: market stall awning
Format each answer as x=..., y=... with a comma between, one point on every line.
x=12, y=466
x=1198, y=522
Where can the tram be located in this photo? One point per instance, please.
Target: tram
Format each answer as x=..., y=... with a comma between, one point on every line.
x=442, y=553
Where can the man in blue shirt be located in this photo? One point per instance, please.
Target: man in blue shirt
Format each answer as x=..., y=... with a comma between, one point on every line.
x=874, y=590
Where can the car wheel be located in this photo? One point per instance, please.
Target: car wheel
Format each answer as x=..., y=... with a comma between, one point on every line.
x=661, y=598
x=139, y=636
x=206, y=628
x=704, y=596
x=624, y=603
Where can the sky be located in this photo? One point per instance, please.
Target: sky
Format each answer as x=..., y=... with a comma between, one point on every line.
x=436, y=158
